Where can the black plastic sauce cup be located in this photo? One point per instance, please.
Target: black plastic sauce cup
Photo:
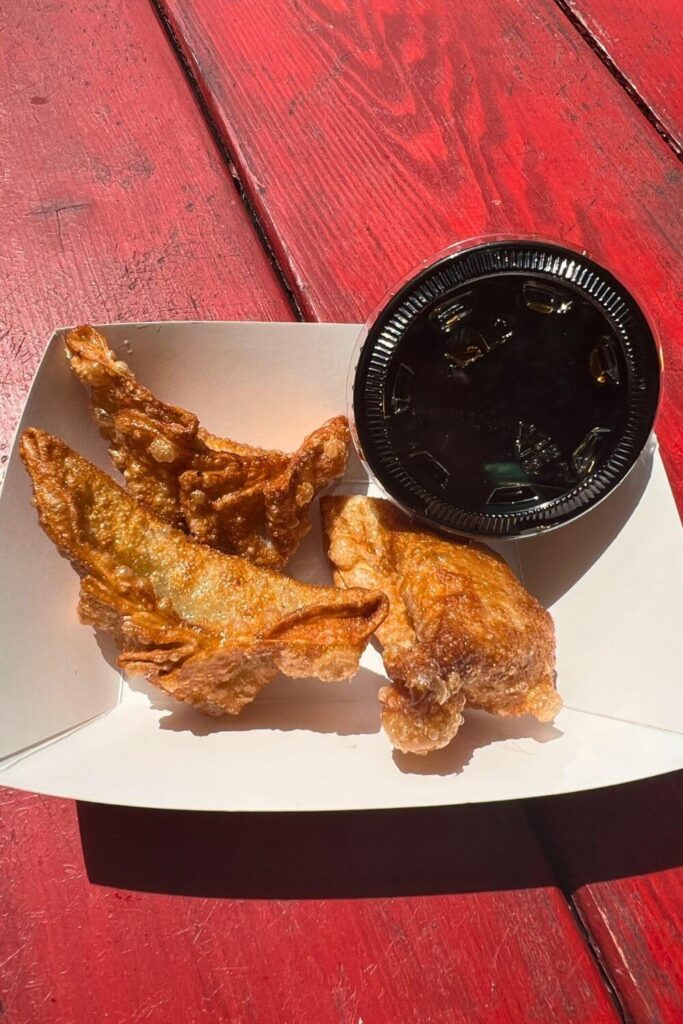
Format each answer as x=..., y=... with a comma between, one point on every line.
x=504, y=389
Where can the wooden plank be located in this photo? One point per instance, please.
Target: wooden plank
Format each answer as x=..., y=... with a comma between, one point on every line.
x=619, y=852
x=79, y=952
x=367, y=140
x=119, y=207
x=642, y=44
x=116, y=204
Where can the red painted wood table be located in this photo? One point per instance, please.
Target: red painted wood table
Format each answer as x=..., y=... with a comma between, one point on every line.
x=275, y=159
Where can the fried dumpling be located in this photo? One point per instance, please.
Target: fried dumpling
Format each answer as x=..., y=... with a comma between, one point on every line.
x=242, y=500
x=461, y=629
x=207, y=628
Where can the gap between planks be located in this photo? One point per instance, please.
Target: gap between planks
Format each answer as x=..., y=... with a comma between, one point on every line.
x=618, y=75
x=229, y=160
x=582, y=926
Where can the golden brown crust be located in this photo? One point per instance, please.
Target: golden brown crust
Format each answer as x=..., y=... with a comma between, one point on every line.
x=207, y=628
x=242, y=500
x=418, y=724
x=460, y=623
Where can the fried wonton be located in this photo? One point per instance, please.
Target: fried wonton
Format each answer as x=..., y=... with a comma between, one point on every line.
x=461, y=629
x=244, y=501
x=207, y=628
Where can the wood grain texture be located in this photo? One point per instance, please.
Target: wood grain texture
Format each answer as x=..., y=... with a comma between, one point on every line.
x=643, y=42
x=117, y=205
x=115, y=200
x=368, y=139
x=619, y=854
x=82, y=953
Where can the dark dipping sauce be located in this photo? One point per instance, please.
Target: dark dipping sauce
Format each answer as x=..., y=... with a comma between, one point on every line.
x=506, y=389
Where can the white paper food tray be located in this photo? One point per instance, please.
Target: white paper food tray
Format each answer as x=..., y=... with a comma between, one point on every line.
x=70, y=726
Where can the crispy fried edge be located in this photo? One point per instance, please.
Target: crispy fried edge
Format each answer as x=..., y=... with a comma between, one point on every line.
x=415, y=721
x=242, y=500
x=177, y=656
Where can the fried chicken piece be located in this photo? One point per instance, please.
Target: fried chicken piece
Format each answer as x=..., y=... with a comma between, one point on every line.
x=205, y=627
x=461, y=629
x=244, y=501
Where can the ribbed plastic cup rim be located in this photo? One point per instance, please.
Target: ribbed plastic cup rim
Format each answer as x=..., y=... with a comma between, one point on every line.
x=469, y=260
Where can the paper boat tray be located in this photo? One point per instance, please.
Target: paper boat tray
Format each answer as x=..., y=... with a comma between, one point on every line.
x=71, y=726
